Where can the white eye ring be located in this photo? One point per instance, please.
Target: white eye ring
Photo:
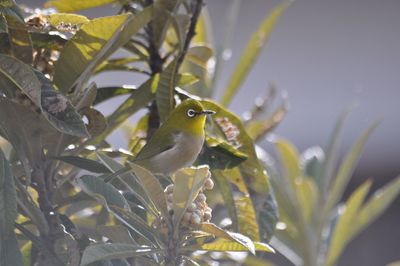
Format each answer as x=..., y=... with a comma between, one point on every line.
x=191, y=113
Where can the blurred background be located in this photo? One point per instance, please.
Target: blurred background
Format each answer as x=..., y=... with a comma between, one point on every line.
x=326, y=55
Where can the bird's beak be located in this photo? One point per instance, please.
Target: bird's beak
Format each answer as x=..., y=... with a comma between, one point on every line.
x=207, y=112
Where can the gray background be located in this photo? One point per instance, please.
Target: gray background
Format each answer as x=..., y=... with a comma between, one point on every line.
x=327, y=55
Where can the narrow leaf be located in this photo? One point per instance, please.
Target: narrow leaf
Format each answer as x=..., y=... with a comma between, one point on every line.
x=14, y=74
x=252, y=51
x=345, y=226
x=84, y=163
x=346, y=169
x=105, y=193
x=219, y=232
x=72, y=5
x=152, y=187
x=100, y=252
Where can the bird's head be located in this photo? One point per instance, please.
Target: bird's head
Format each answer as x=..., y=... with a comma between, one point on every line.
x=189, y=117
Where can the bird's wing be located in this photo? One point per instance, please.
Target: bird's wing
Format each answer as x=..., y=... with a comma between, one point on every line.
x=149, y=151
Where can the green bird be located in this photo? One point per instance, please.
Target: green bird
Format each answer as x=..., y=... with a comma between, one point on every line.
x=178, y=142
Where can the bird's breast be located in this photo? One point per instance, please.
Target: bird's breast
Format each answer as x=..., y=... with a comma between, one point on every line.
x=182, y=154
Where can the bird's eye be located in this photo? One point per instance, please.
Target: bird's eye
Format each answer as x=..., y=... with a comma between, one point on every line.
x=191, y=113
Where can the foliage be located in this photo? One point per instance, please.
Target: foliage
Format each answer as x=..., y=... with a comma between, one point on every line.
x=68, y=197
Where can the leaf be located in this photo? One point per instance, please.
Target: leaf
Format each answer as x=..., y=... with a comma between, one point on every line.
x=186, y=79
x=252, y=171
x=346, y=169
x=165, y=90
x=83, y=51
x=129, y=180
x=307, y=196
x=105, y=193
x=219, y=154
x=377, y=204
x=97, y=123
x=180, y=22
x=9, y=248
x=138, y=99
x=231, y=246
x=20, y=40
x=152, y=187
x=8, y=198
x=252, y=51
x=219, y=232
x=16, y=74
x=258, y=129
x=161, y=21
x=61, y=20
x=30, y=209
x=72, y=5
x=116, y=233
x=93, y=43
x=224, y=187
x=135, y=223
x=106, y=93
x=84, y=163
x=99, y=252
x=59, y=111
x=343, y=231
x=10, y=253
x=332, y=154
x=289, y=158
x=187, y=185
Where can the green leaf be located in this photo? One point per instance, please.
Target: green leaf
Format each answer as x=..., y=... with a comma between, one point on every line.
x=258, y=129
x=8, y=198
x=135, y=223
x=100, y=252
x=106, y=93
x=103, y=192
x=161, y=21
x=139, y=99
x=224, y=187
x=197, y=62
x=332, y=154
x=165, y=90
x=60, y=20
x=19, y=125
x=219, y=154
x=219, y=232
x=187, y=79
x=152, y=187
x=377, y=204
x=345, y=225
x=14, y=74
x=346, y=169
x=85, y=49
x=252, y=51
x=93, y=43
x=180, y=22
x=289, y=158
x=10, y=253
x=84, y=163
x=72, y=5
x=9, y=248
x=229, y=126
x=59, y=111
x=129, y=180
x=29, y=207
x=116, y=233
x=231, y=246
x=187, y=185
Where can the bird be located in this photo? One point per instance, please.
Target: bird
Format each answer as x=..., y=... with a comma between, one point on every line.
x=177, y=142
